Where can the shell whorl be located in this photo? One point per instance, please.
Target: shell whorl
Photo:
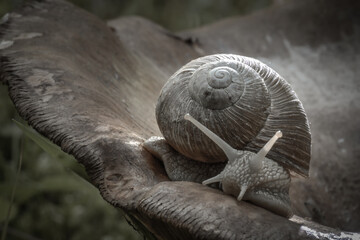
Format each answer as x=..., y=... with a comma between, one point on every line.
x=241, y=100
x=217, y=85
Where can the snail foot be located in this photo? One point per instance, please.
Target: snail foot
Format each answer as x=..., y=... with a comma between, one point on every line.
x=177, y=166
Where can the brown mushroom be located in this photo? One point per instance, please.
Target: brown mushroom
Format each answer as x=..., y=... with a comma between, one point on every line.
x=91, y=88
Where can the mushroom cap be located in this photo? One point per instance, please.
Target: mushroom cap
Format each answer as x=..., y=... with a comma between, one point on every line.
x=241, y=100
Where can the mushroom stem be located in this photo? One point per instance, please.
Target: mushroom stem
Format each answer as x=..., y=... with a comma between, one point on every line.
x=230, y=152
x=257, y=162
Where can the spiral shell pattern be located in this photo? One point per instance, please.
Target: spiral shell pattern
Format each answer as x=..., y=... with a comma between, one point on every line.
x=217, y=85
x=241, y=100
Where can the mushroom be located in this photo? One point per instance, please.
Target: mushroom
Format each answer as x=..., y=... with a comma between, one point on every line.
x=91, y=89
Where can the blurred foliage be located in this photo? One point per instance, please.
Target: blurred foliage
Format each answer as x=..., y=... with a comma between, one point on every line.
x=68, y=161
x=50, y=201
x=172, y=14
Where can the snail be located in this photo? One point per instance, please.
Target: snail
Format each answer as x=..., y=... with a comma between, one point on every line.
x=232, y=121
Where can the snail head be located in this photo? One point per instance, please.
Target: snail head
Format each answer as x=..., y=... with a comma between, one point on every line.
x=255, y=164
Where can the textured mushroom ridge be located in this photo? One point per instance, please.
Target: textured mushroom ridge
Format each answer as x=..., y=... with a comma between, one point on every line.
x=240, y=99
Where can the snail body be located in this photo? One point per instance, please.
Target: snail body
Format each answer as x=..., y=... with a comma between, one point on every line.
x=241, y=104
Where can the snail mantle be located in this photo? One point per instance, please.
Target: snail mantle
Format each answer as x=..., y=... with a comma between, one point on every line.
x=239, y=110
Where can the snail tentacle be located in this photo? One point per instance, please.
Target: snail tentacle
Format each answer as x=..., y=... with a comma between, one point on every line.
x=242, y=192
x=217, y=178
x=256, y=162
x=230, y=152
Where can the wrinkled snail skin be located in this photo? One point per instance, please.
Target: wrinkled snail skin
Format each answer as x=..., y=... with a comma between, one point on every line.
x=234, y=106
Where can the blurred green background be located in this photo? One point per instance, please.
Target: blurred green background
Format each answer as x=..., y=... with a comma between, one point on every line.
x=172, y=14
x=51, y=202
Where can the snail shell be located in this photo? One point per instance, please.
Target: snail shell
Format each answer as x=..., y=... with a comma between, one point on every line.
x=241, y=100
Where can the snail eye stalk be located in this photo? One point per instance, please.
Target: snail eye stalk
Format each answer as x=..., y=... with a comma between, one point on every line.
x=230, y=152
x=257, y=161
